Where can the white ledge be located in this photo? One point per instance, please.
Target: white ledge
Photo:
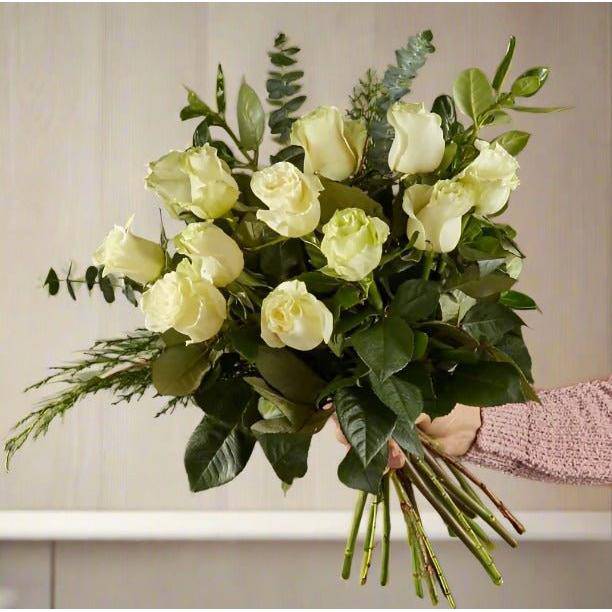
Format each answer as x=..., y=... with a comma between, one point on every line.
x=261, y=525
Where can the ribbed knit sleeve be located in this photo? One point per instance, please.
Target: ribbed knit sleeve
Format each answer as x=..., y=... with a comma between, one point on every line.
x=566, y=439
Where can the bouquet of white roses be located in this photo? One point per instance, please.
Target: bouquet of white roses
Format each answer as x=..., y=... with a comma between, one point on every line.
x=363, y=273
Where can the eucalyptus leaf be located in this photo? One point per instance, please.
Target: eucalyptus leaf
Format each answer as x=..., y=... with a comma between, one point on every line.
x=90, y=277
x=251, y=117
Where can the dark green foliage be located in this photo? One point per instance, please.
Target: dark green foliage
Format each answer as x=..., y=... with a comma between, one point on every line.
x=355, y=475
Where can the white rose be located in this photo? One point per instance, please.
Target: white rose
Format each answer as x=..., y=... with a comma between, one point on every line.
x=352, y=243
x=291, y=196
x=418, y=145
x=435, y=213
x=493, y=176
x=217, y=256
x=333, y=146
x=124, y=254
x=185, y=301
x=194, y=181
x=293, y=317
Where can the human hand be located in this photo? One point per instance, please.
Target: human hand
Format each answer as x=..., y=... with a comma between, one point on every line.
x=454, y=432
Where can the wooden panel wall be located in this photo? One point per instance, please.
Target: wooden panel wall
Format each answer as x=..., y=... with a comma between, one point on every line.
x=90, y=93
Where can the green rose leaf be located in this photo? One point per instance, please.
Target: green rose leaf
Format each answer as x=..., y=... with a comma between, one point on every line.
x=179, y=369
x=415, y=299
x=513, y=141
x=530, y=82
x=216, y=453
x=287, y=453
x=401, y=395
x=473, y=93
x=484, y=384
x=226, y=400
x=354, y=475
x=365, y=421
x=386, y=347
x=490, y=321
x=407, y=437
x=502, y=69
x=513, y=345
x=287, y=373
x=251, y=117
x=518, y=301
x=337, y=196
x=527, y=390
x=419, y=375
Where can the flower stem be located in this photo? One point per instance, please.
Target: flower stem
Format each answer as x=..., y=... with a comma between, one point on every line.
x=427, y=264
x=352, y=537
x=386, y=538
x=368, y=545
x=450, y=516
x=451, y=461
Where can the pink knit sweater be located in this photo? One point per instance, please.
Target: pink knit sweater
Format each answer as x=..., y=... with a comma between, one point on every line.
x=568, y=438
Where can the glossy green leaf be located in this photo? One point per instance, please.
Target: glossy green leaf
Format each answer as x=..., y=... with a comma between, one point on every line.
x=201, y=135
x=386, y=347
x=415, y=300
x=251, y=117
x=539, y=109
x=220, y=90
x=530, y=82
x=513, y=141
x=106, y=287
x=502, y=69
x=490, y=321
x=226, y=400
x=216, y=453
x=513, y=345
x=487, y=383
x=517, y=301
x=365, y=421
x=354, y=475
x=179, y=370
x=287, y=453
x=473, y=93
x=401, y=395
x=286, y=372
x=337, y=196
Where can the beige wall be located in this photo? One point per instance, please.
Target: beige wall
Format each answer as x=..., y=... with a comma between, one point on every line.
x=91, y=93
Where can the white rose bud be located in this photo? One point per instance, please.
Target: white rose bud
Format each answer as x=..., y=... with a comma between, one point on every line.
x=217, y=256
x=435, y=214
x=185, y=301
x=352, y=243
x=493, y=176
x=291, y=196
x=195, y=181
x=124, y=254
x=418, y=145
x=333, y=146
x=290, y=316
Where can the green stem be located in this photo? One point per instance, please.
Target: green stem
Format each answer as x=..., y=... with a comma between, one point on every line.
x=417, y=563
x=352, y=537
x=237, y=142
x=482, y=536
x=427, y=264
x=386, y=538
x=368, y=545
x=374, y=297
x=465, y=500
x=450, y=518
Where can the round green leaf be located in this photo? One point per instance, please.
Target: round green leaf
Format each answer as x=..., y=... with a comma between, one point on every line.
x=473, y=93
x=251, y=117
x=179, y=370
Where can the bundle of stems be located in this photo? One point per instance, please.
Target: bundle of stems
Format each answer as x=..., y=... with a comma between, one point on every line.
x=451, y=490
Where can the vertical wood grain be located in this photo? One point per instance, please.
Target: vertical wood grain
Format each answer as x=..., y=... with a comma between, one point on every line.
x=91, y=93
x=26, y=574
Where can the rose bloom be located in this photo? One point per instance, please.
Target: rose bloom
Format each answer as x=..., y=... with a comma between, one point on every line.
x=185, y=301
x=195, y=181
x=293, y=317
x=333, y=146
x=291, y=196
x=125, y=254
x=352, y=243
x=216, y=255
